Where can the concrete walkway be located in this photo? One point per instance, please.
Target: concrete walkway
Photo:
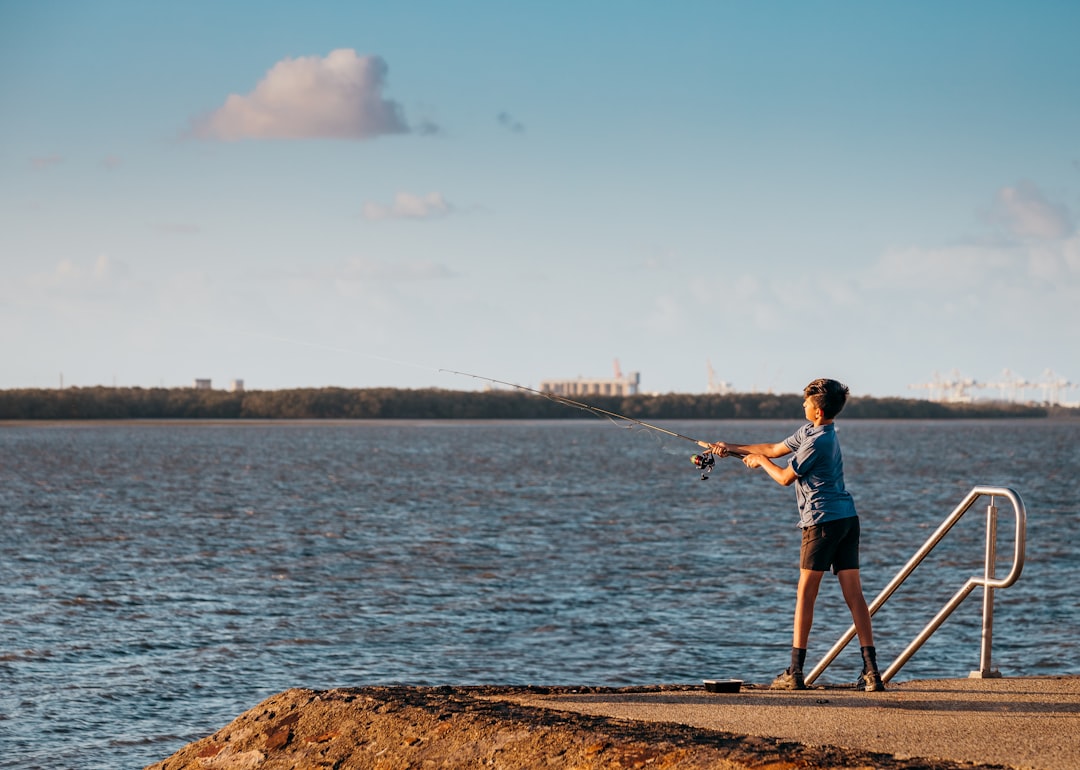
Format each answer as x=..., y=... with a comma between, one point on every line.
x=1017, y=722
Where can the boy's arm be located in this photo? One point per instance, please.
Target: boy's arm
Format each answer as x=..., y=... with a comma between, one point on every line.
x=784, y=476
x=757, y=456
x=725, y=448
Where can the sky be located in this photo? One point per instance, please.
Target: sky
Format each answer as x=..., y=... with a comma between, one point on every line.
x=363, y=194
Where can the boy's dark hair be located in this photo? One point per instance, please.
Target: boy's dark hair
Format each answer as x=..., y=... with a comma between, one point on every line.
x=829, y=396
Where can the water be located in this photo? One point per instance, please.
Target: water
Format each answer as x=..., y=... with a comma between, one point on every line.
x=158, y=579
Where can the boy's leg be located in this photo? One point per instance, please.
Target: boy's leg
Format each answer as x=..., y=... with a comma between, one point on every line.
x=851, y=585
x=809, y=583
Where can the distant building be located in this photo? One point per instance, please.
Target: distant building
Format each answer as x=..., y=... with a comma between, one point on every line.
x=625, y=385
x=202, y=385
x=236, y=386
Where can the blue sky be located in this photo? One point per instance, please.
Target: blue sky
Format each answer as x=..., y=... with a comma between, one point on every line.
x=358, y=194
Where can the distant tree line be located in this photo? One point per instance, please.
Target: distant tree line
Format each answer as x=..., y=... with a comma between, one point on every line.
x=101, y=403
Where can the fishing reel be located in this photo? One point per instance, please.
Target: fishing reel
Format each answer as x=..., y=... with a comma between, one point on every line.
x=704, y=462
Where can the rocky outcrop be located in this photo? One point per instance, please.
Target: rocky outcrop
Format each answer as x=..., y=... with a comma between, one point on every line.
x=470, y=727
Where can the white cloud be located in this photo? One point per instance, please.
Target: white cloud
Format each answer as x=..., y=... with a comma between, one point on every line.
x=1026, y=213
x=409, y=206
x=1056, y=260
x=336, y=97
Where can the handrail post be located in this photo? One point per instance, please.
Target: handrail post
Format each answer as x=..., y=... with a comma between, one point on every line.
x=985, y=671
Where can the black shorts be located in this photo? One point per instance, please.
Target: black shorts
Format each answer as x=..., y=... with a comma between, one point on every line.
x=834, y=544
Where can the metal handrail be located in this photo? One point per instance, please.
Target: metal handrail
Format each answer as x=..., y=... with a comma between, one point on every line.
x=988, y=581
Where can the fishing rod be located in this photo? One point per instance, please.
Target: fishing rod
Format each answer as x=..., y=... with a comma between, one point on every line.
x=704, y=461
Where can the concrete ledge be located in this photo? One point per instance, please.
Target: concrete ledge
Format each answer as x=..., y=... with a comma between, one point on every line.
x=1020, y=722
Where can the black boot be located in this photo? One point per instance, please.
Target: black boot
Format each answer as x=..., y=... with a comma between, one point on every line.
x=798, y=658
x=792, y=678
x=870, y=678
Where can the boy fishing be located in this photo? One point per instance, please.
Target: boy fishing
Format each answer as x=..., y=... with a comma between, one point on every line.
x=827, y=517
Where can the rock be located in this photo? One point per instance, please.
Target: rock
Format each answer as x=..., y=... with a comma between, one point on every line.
x=384, y=728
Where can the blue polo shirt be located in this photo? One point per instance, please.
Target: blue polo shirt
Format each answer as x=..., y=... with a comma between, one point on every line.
x=819, y=475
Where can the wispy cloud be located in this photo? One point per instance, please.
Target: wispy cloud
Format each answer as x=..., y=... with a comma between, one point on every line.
x=338, y=96
x=45, y=162
x=510, y=123
x=1020, y=277
x=72, y=279
x=1026, y=213
x=1036, y=242
x=939, y=270
x=70, y=273
x=409, y=206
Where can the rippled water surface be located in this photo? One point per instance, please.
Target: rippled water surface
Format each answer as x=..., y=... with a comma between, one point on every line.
x=156, y=580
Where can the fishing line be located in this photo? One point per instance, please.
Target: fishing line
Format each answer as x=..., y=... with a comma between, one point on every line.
x=704, y=461
x=576, y=404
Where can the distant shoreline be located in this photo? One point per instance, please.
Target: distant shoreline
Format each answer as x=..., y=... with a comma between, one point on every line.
x=323, y=404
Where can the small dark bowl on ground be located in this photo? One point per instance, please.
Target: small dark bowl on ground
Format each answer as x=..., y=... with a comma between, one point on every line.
x=722, y=685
